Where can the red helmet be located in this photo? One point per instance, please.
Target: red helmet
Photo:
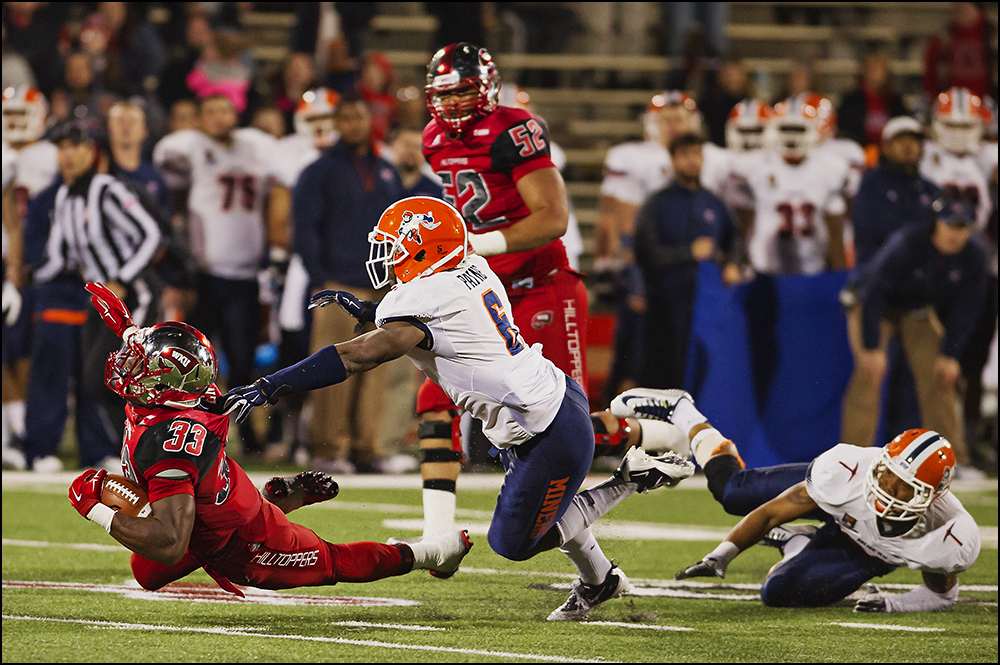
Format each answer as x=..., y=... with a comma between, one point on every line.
x=416, y=237
x=168, y=364
x=453, y=68
x=923, y=460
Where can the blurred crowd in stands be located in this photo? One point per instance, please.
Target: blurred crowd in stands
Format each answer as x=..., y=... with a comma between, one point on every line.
x=167, y=104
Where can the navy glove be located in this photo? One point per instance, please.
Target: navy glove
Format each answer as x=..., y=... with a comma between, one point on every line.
x=362, y=310
x=874, y=601
x=244, y=398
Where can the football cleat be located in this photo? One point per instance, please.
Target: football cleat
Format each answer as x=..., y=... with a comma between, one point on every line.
x=779, y=536
x=650, y=472
x=648, y=403
x=307, y=488
x=585, y=597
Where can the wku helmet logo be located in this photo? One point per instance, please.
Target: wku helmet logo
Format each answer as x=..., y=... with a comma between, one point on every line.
x=183, y=360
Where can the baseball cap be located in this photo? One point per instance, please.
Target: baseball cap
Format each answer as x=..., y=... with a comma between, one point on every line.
x=73, y=131
x=902, y=124
x=954, y=212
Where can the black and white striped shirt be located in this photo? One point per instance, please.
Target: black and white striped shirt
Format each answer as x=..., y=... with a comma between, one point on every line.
x=100, y=231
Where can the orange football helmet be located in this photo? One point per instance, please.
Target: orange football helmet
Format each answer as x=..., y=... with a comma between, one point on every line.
x=958, y=120
x=314, y=116
x=746, y=125
x=25, y=113
x=416, y=237
x=923, y=460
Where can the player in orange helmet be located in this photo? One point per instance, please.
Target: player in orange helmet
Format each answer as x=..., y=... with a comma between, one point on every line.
x=882, y=508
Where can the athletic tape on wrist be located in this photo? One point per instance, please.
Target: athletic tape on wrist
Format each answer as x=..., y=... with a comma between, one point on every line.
x=103, y=515
x=488, y=244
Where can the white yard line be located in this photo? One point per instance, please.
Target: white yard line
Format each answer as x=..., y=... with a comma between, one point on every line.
x=113, y=625
x=880, y=626
x=646, y=626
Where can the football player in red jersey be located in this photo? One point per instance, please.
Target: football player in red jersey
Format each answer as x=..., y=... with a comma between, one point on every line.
x=495, y=167
x=206, y=513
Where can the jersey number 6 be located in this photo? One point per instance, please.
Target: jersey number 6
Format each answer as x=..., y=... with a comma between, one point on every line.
x=507, y=331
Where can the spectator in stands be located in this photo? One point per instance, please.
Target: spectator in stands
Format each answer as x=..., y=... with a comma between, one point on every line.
x=892, y=195
x=221, y=69
x=377, y=89
x=125, y=48
x=731, y=86
x=337, y=201
x=676, y=228
x=183, y=115
x=270, y=121
x=964, y=57
x=80, y=97
x=32, y=29
x=800, y=81
x=864, y=111
x=16, y=69
x=682, y=17
x=198, y=36
x=414, y=172
x=298, y=76
x=333, y=33
x=926, y=288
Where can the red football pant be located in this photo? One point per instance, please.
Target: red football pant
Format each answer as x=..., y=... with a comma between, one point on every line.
x=290, y=556
x=553, y=313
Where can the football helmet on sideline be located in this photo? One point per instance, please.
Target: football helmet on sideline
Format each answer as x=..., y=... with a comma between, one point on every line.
x=664, y=100
x=925, y=462
x=25, y=113
x=416, y=237
x=746, y=124
x=795, y=127
x=168, y=364
x=314, y=116
x=958, y=120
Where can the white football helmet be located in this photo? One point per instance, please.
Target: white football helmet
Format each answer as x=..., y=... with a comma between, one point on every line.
x=314, y=116
x=667, y=99
x=25, y=113
x=794, y=128
x=925, y=463
x=958, y=120
x=746, y=124
x=516, y=96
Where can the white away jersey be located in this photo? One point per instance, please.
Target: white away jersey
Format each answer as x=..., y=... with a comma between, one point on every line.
x=790, y=203
x=958, y=176
x=9, y=157
x=228, y=186
x=295, y=153
x=37, y=166
x=475, y=352
x=945, y=540
x=852, y=153
x=634, y=171
x=987, y=159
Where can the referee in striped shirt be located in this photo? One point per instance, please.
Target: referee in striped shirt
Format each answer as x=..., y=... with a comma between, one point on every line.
x=100, y=232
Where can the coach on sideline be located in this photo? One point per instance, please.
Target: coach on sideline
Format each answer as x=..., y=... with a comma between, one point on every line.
x=100, y=232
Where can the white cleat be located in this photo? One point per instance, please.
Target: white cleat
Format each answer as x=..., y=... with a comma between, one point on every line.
x=47, y=464
x=585, y=597
x=440, y=554
x=650, y=472
x=648, y=403
x=779, y=536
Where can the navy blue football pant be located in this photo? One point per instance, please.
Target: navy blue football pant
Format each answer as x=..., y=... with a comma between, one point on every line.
x=69, y=347
x=828, y=569
x=543, y=475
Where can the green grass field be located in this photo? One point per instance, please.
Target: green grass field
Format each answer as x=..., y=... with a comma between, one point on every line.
x=68, y=595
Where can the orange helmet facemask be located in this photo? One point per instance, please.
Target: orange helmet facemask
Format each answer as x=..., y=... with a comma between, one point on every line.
x=416, y=237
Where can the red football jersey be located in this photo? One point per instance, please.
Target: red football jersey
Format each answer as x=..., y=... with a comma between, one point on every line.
x=479, y=171
x=169, y=451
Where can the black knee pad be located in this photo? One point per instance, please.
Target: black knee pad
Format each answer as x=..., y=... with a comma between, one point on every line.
x=718, y=471
x=434, y=429
x=439, y=455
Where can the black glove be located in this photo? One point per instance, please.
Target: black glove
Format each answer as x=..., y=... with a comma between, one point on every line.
x=362, y=310
x=874, y=601
x=243, y=399
x=707, y=567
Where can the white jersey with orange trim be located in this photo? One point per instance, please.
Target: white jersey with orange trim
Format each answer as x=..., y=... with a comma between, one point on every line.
x=958, y=175
x=789, y=233
x=37, y=167
x=228, y=186
x=9, y=160
x=987, y=159
x=474, y=351
x=572, y=240
x=634, y=171
x=944, y=540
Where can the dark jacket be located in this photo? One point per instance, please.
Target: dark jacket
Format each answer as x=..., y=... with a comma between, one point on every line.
x=336, y=202
x=909, y=273
x=666, y=225
x=852, y=116
x=888, y=199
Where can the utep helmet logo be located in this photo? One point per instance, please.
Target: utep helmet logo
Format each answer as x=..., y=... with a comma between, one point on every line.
x=426, y=219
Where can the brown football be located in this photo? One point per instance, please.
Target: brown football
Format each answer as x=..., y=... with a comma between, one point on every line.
x=123, y=495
